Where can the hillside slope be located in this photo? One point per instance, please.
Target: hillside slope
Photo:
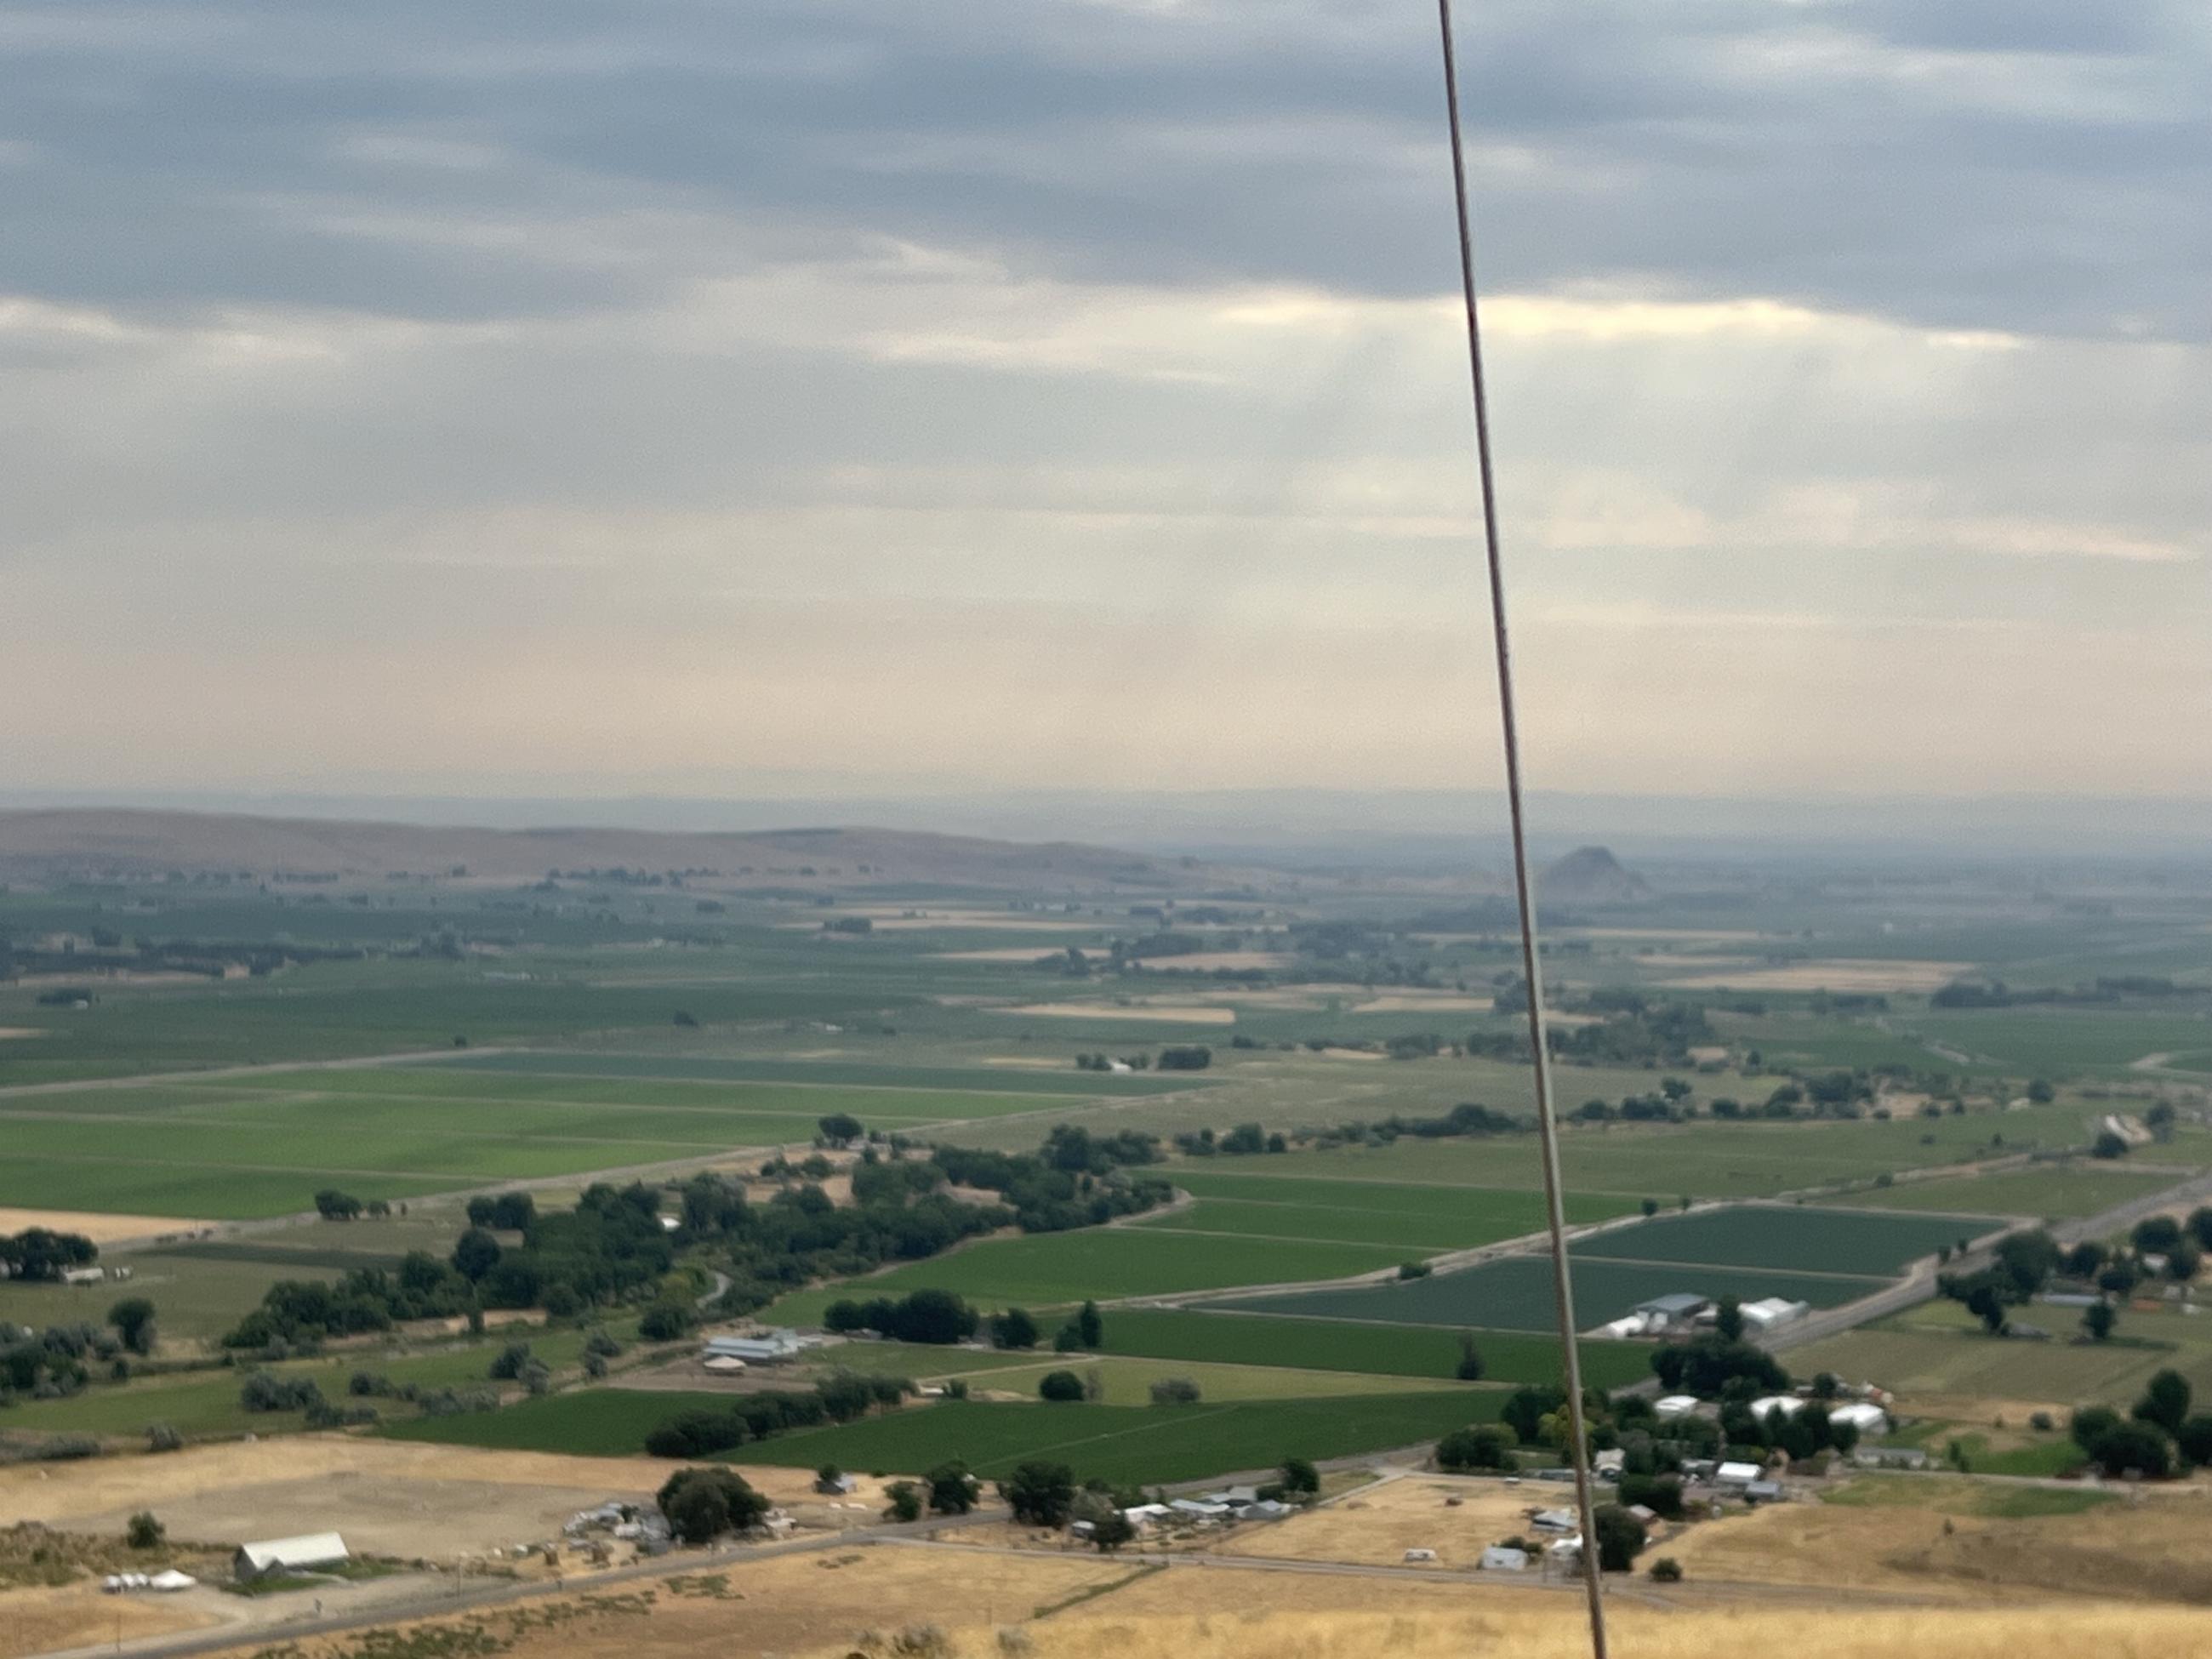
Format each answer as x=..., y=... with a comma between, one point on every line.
x=109, y=842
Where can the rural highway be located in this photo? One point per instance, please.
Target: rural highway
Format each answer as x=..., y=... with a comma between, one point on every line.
x=1920, y=1286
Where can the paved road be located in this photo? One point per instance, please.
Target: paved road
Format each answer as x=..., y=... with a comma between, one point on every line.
x=1920, y=1286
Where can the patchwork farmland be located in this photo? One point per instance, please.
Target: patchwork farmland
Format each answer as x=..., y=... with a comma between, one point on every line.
x=1824, y=1257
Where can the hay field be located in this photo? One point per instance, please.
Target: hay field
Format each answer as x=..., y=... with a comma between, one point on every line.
x=1141, y=1013
x=801, y=1602
x=1551, y=1627
x=1837, y=975
x=388, y=1497
x=1377, y=1524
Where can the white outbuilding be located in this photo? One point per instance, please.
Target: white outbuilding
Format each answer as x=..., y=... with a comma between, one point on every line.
x=1766, y=1406
x=1672, y=1407
x=1735, y=1474
x=300, y=1555
x=1869, y=1419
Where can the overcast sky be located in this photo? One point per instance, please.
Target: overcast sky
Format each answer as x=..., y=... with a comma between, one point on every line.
x=666, y=395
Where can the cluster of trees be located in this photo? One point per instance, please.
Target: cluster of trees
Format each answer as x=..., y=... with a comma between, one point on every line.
x=1079, y=1180
x=701, y=1504
x=1632, y=1030
x=1668, y=1103
x=843, y=1397
x=39, y=1254
x=511, y=1212
x=299, y=1314
x=2158, y=1437
x=54, y=1363
x=935, y=1317
x=2021, y=1264
x=333, y=1204
x=611, y=1247
x=1995, y=994
x=1465, y=1120
x=1245, y=1141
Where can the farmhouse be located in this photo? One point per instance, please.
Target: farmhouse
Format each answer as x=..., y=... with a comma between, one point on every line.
x=1498, y=1557
x=303, y=1553
x=1735, y=1474
x=1786, y=1405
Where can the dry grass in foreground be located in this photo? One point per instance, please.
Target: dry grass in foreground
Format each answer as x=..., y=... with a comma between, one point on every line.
x=1555, y=1630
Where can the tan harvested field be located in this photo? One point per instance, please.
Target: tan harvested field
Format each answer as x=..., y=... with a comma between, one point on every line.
x=2160, y=1550
x=1415, y=1002
x=100, y=1229
x=388, y=1498
x=1731, y=934
x=1360, y=1625
x=1841, y=973
x=1174, y=1013
x=1378, y=1525
x=1009, y=953
x=819, y=1599
x=49, y=1618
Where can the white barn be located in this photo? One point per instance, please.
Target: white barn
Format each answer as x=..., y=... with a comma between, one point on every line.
x=305, y=1552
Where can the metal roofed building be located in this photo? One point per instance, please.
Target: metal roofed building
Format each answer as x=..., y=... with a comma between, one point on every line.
x=302, y=1553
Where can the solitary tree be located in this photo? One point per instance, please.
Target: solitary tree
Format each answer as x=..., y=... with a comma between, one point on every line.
x=1090, y=1328
x=1060, y=1387
x=1471, y=1367
x=905, y=1501
x=1300, y=1478
x=1620, y=1538
x=476, y=1253
x=2164, y=1400
x=1728, y=1321
x=1041, y=1494
x=144, y=1532
x=2097, y=1319
x=952, y=1490
x=1013, y=1328
x=841, y=1128
x=133, y=1319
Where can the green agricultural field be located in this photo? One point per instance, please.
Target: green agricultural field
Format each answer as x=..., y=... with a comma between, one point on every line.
x=1421, y=1220
x=1043, y=1270
x=204, y=1403
x=2049, y=1192
x=1123, y=1444
x=853, y=1073
x=896, y=1106
x=1128, y=1381
x=1786, y=1238
x=1342, y=1345
x=262, y=1144
x=1957, y=1496
x=194, y=1300
x=1514, y=1293
x=126, y=1183
x=2060, y=1043
x=1937, y=1349
x=1703, y=1159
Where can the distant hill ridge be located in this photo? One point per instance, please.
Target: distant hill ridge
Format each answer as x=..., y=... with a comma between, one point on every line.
x=1591, y=875
x=113, y=842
